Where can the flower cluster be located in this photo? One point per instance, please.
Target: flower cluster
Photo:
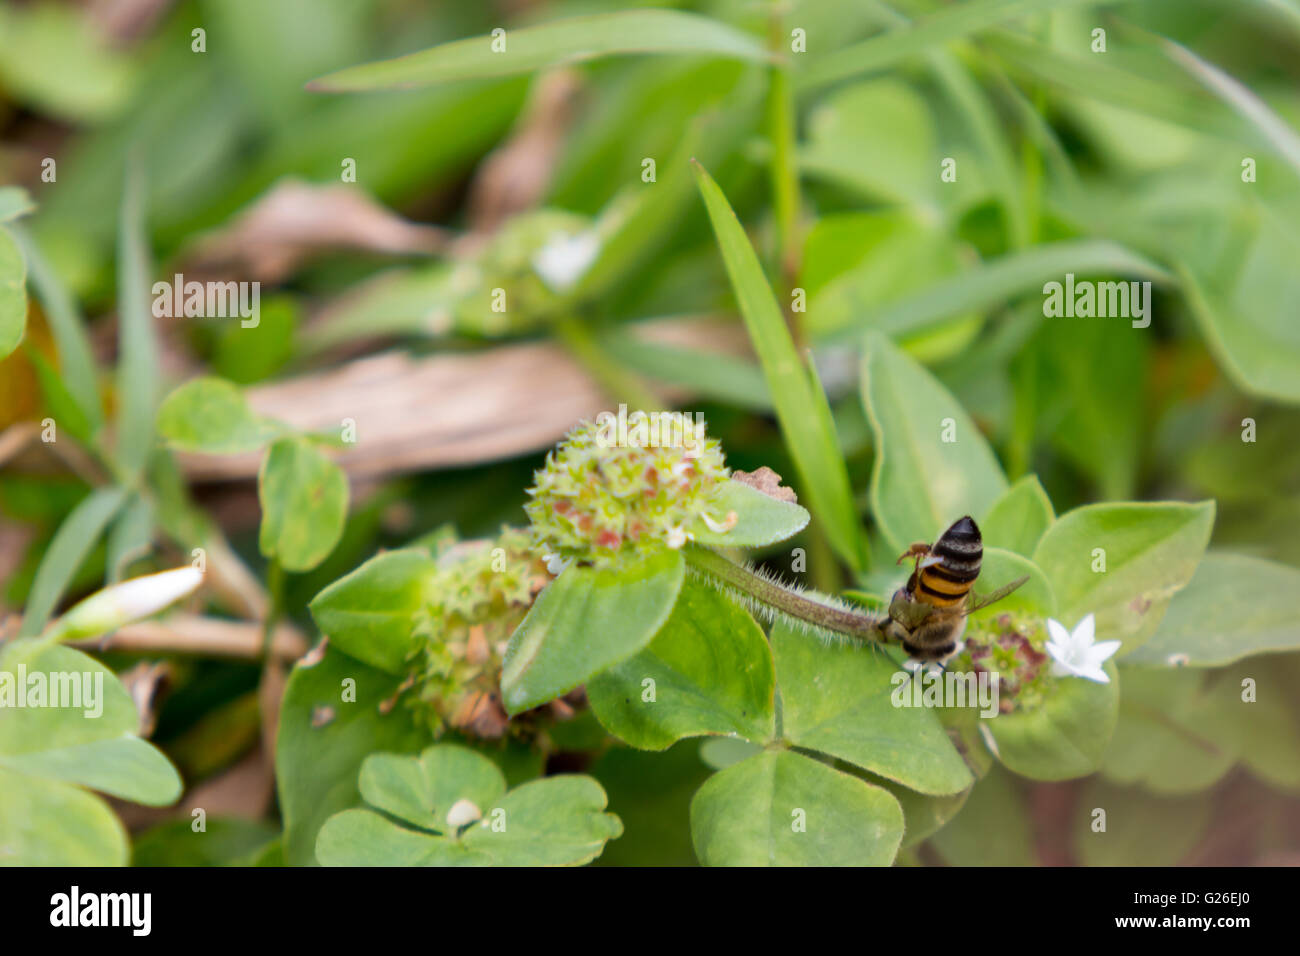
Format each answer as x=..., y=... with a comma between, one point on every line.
x=597, y=500
x=482, y=591
x=1017, y=648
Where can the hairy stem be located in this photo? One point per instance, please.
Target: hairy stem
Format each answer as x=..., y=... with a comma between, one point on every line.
x=781, y=599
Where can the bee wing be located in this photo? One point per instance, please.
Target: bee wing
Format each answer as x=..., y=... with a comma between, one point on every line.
x=911, y=614
x=984, y=600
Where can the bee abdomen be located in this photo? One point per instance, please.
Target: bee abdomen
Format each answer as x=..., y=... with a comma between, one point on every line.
x=960, y=551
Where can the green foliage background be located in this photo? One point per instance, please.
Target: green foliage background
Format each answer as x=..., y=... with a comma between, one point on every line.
x=816, y=179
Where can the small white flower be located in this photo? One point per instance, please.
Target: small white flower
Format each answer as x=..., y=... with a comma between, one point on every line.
x=1077, y=653
x=555, y=564
x=678, y=536
x=563, y=260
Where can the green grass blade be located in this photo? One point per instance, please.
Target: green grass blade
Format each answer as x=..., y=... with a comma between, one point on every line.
x=74, y=540
x=804, y=421
x=532, y=48
x=13, y=294
x=1246, y=104
x=954, y=22
x=76, y=363
x=1002, y=279
x=137, y=370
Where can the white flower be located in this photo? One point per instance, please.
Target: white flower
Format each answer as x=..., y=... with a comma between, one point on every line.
x=563, y=260
x=555, y=564
x=678, y=536
x=1077, y=653
x=120, y=604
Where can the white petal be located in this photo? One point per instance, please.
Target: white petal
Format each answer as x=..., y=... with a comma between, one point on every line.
x=563, y=260
x=1102, y=652
x=1086, y=630
x=1060, y=636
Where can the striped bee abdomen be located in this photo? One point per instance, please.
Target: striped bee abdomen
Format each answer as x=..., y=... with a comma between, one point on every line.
x=959, y=551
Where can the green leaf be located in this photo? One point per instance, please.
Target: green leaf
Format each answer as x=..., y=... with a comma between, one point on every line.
x=60, y=403
x=845, y=128
x=420, y=790
x=554, y=821
x=371, y=613
x=210, y=415
x=1234, y=606
x=992, y=828
x=761, y=519
x=76, y=361
x=950, y=23
x=585, y=621
x=131, y=536
x=224, y=841
x=800, y=409
x=47, y=823
x=921, y=484
x=91, y=742
x=1066, y=736
x=1018, y=519
x=1256, y=347
x=304, y=500
x=137, y=367
x=1150, y=551
x=1001, y=567
x=712, y=673
x=1141, y=830
x=13, y=294
x=74, y=540
x=780, y=808
x=550, y=44
x=839, y=699
x=1177, y=733
x=14, y=202
x=324, y=737
x=1012, y=275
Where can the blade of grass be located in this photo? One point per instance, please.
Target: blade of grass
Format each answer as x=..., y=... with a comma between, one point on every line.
x=954, y=22
x=800, y=413
x=1001, y=279
x=76, y=364
x=13, y=294
x=130, y=537
x=1245, y=103
x=137, y=370
x=75, y=539
x=549, y=44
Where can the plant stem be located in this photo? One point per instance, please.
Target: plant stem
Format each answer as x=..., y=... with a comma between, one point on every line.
x=618, y=382
x=782, y=599
x=275, y=606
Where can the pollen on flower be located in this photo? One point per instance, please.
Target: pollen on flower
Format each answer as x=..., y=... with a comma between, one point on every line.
x=597, y=500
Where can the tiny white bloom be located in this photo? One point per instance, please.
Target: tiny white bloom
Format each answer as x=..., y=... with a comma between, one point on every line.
x=555, y=564
x=1077, y=653
x=564, y=259
x=678, y=536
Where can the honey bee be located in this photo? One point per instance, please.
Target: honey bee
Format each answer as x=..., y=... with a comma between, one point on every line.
x=928, y=614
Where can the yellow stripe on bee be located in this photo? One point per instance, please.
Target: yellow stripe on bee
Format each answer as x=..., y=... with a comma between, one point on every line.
x=936, y=583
